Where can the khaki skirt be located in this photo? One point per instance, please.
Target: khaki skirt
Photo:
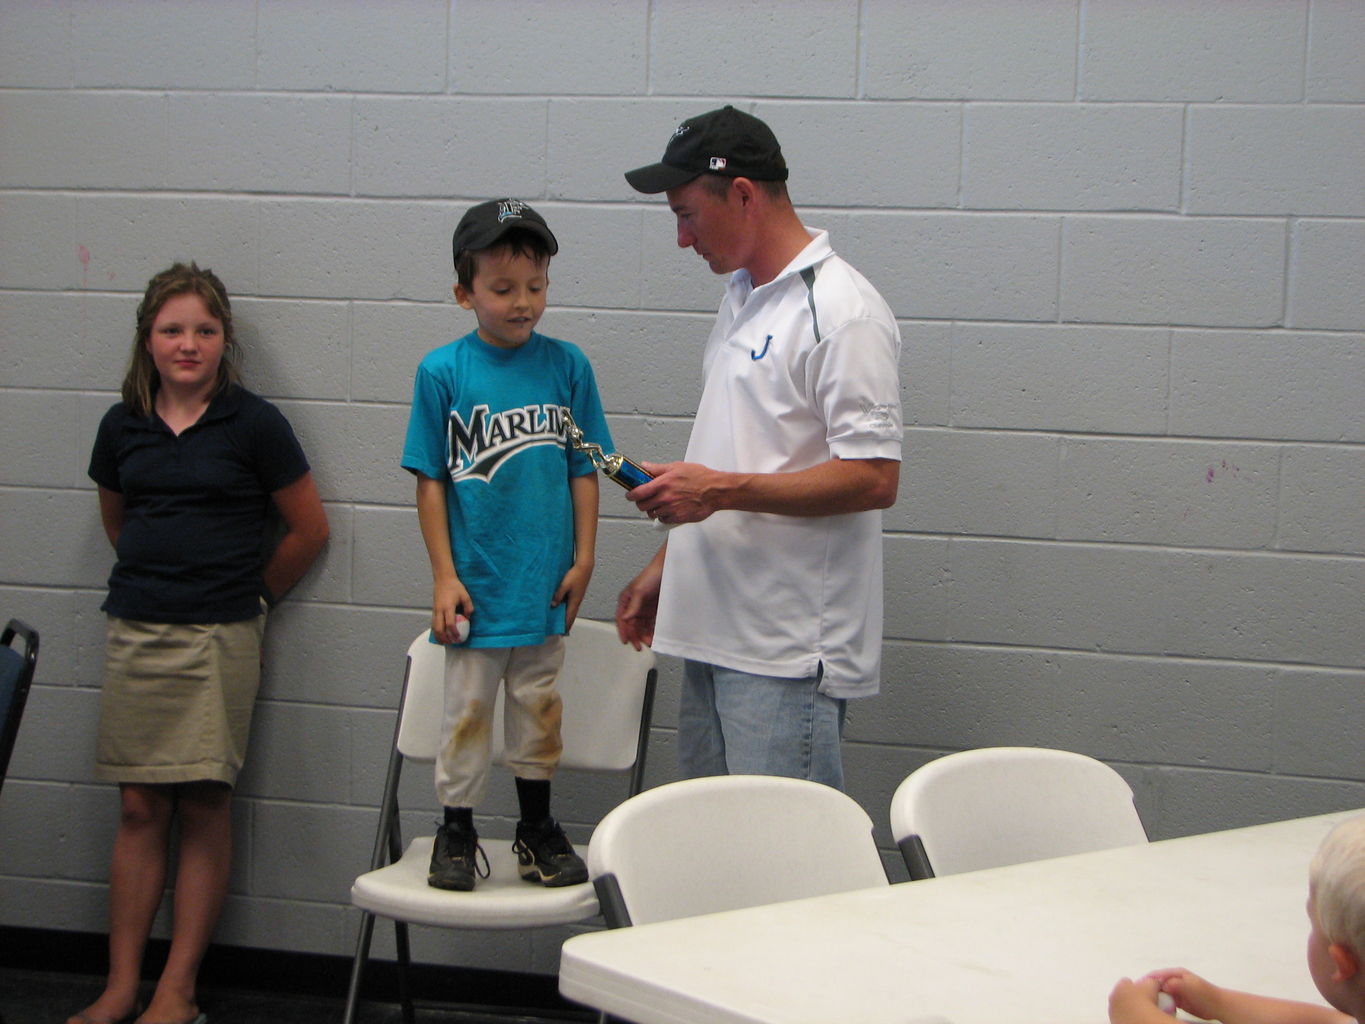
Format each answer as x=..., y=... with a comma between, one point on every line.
x=177, y=700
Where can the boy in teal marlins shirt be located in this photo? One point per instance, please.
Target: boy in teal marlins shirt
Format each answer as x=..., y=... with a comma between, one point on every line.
x=508, y=512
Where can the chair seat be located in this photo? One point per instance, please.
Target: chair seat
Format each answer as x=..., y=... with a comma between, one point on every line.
x=503, y=900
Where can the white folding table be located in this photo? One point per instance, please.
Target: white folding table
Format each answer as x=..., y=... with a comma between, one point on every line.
x=1037, y=943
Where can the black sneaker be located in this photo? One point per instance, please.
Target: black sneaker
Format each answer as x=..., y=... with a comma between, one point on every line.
x=545, y=855
x=453, y=859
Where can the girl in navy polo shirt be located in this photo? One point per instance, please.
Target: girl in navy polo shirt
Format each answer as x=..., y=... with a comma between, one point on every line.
x=189, y=466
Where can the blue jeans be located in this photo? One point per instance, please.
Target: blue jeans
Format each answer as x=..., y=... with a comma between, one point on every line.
x=737, y=723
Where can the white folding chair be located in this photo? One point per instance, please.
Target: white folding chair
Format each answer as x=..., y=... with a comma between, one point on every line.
x=1004, y=805
x=608, y=691
x=730, y=841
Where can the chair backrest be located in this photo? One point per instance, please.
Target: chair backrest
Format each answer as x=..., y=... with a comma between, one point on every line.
x=705, y=845
x=16, y=676
x=606, y=686
x=1004, y=805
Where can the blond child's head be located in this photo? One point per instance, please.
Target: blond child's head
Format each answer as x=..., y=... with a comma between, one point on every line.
x=1336, y=908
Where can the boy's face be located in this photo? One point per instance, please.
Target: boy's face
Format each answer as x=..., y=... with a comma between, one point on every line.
x=507, y=295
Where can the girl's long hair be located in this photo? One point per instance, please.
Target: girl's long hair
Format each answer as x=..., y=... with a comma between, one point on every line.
x=141, y=381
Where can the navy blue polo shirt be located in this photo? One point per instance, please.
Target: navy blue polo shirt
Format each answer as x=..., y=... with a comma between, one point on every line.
x=196, y=507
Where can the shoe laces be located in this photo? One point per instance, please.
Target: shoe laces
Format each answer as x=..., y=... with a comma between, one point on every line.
x=459, y=843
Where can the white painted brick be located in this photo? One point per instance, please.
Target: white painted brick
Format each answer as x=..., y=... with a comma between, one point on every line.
x=961, y=697
x=1168, y=270
x=1090, y=379
x=274, y=769
x=745, y=44
x=1322, y=503
x=1277, y=160
x=370, y=735
x=143, y=44
x=905, y=154
x=35, y=45
x=1142, y=601
x=132, y=237
x=341, y=655
x=1193, y=801
x=33, y=810
x=593, y=142
x=389, y=339
x=269, y=143
x=642, y=362
x=1071, y=157
x=1267, y=607
x=917, y=588
x=1327, y=278
x=975, y=482
x=63, y=543
x=1285, y=386
x=356, y=249
x=598, y=263
x=596, y=47
x=1218, y=495
x=41, y=249
x=294, y=349
x=397, y=46
x=391, y=565
x=68, y=711
x=1336, y=56
x=1058, y=595
x=354, y=449
x=292, y=925
x=957, y=265
x=30, y=324
x=925, y=372
x=939, y=49
x=1217, y=50
x=1315, y=734
x=450, y=147
x=82, y=140
x=298, y=867
x=41, y=450
x=107, y=325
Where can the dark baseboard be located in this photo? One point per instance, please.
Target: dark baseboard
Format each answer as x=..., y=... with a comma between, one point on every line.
x=298, y=974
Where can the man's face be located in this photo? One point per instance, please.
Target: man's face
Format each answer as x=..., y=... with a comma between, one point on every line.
x=710, y=225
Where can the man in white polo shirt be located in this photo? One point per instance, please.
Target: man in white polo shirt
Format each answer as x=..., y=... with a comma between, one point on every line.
x=770, y=582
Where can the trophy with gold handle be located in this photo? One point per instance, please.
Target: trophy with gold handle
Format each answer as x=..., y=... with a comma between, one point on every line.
x=615, y=466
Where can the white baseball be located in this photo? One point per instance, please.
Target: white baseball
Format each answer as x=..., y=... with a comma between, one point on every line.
x=1165, y=1003
x=461, y=629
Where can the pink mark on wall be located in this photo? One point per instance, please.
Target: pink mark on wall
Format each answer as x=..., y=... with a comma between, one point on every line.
x=1224, y=468
x=84, y=255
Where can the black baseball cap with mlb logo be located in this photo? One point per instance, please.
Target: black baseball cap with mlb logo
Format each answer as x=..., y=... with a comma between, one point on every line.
x=725, y=141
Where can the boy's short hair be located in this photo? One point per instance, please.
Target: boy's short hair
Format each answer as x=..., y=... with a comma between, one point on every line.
x=1337, y=880
x=500, y=223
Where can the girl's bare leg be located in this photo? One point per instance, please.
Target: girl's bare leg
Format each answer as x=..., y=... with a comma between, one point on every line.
x=201, y=882
x=137, y=878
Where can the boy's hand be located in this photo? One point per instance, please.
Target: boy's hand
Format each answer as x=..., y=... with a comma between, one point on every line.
x=1134, y=1002
x=571, y=591
x=1191, y=992
x=449, y=599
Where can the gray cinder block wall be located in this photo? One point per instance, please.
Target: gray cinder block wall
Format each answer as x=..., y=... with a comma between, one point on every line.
x=1125, y=239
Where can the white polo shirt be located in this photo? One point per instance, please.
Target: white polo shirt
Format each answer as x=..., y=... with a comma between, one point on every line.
x=796, y=372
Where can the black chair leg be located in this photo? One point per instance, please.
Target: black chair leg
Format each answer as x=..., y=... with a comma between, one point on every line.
x=362, y=956
x=400, y=938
